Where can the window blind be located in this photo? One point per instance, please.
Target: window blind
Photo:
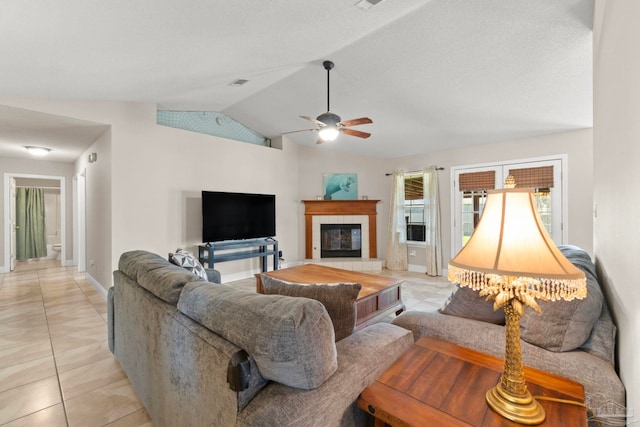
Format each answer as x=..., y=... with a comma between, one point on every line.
x=413, y=187
x=474, y=181
x=540, y=177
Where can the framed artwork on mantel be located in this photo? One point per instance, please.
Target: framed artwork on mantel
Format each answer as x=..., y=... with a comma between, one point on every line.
x=340, y=186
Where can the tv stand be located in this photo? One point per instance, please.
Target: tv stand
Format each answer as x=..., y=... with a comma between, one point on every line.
x=209, y=253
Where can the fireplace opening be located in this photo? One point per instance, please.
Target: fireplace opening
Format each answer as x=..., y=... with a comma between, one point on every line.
x=340, y=241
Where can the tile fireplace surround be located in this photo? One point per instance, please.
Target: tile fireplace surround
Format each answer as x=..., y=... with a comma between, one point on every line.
x=361, y=212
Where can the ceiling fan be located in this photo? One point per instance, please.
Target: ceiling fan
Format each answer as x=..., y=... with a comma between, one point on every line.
x=330, y=125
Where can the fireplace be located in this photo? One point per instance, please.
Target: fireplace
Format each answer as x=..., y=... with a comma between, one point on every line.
x=340, y=240
x=319, y=212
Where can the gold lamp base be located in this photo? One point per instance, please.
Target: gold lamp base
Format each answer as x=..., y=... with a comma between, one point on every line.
x=520, y=409
x=510, y=397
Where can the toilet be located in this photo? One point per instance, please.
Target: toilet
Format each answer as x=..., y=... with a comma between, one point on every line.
x=56, y=249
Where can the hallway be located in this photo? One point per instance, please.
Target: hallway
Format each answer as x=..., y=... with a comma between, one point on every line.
x=55, y=366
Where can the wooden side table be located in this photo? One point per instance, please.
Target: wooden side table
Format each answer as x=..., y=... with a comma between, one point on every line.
x=437, y=383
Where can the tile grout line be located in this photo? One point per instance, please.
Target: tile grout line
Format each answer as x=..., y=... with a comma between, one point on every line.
x=55, y=361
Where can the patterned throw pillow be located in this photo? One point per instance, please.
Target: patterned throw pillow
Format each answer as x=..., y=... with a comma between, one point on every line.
x=184, y=259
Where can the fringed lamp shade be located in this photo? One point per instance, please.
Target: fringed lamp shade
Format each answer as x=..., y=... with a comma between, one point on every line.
x=511, y=241
x=511, y=259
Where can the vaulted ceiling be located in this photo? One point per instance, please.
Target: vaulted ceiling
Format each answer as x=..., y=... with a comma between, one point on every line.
x=433, y=75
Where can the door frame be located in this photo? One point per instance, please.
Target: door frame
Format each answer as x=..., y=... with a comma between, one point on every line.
x=563, y=160
x=63, y=215
x=79, y=221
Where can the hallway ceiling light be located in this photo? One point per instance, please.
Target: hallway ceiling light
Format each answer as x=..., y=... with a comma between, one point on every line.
x=37, y=151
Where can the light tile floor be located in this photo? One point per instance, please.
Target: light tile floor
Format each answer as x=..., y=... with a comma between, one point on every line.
x=55, y=365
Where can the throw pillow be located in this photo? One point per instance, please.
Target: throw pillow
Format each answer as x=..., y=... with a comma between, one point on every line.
x=565, y=325
x=465, y=302
x=185, y=260
x=290, y=339
x=338, y=299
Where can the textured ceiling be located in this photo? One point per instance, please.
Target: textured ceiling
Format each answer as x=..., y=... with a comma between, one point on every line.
x=433, y=75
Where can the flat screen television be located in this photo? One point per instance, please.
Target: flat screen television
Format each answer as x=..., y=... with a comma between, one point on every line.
x=237, y=216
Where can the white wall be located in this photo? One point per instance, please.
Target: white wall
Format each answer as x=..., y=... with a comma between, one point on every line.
x=616, y=178
x=45, y=168
x=147, y=187
x=159, y=173
x=577, y=145
x=98, y=224
x=372, y=182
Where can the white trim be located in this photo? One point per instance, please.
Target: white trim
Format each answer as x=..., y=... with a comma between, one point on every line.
x=63, y=214
x=251, y=273
x=80, y=239
x=96, y=285
x=417, y=268
x=423, y=269
x=317, y=220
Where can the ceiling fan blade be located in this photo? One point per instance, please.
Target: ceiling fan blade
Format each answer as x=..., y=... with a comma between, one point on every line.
x=312, y=120
x=357, y=133
x=295, y=131
x=356, y=122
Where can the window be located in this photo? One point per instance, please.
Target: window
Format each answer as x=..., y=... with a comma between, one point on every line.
x=471, y=184
x=473, y=187
x=414, y=207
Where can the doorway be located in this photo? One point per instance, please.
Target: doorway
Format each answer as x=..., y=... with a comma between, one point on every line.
x=56, y=188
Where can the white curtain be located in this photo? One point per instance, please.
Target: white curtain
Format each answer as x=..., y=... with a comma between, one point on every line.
x=433, y=233
x=397, y=258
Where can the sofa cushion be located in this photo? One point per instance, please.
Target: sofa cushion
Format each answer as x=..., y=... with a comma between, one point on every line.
x=290, y=339
x=156, y=274
x=339, y=299
x=465, y=302
x=184, y=259
x=565, y=325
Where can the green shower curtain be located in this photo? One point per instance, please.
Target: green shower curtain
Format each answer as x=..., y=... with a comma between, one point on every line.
x=31, y=240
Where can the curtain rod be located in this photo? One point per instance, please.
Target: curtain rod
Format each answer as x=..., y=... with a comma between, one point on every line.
x=438, y=168
x=31, y=186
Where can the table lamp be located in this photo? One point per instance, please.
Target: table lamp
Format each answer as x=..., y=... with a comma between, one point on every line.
x=511, y=259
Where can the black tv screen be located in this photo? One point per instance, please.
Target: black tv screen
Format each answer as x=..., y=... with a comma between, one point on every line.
x=237, y=216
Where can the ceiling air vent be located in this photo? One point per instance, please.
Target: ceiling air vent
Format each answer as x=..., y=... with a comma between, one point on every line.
x=367, y=4
x=238, y=82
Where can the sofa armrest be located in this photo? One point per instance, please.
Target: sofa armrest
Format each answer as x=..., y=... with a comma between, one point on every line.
x=213, y=276
x=362, y=357
x=110, y=320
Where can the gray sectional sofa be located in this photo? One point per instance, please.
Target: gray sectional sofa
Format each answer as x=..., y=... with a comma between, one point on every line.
x=575, y=340
x=205, y=354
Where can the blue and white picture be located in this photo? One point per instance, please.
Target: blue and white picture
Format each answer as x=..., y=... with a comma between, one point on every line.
x=340, y=186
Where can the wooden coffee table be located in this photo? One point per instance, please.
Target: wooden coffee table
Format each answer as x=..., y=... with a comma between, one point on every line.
x=437, y=383
x=378, y=297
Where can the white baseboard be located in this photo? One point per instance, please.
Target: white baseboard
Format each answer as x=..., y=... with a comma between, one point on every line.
x=417, y=268
x=96, y=285
x=423, y=269
x=249, y=274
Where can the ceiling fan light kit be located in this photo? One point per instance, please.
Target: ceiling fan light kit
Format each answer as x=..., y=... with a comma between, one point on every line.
x=328, y=133
x=330, y=125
